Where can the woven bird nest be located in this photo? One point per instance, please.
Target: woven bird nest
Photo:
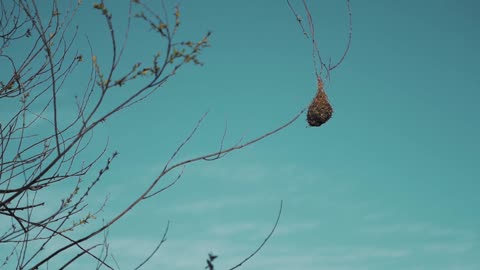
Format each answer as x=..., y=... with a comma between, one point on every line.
x=320, y=110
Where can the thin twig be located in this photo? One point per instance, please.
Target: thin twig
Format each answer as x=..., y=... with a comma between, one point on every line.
x=264, y=241
x=164, y=238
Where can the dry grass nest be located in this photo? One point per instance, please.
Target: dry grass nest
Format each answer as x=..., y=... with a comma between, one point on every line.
x=320, y=110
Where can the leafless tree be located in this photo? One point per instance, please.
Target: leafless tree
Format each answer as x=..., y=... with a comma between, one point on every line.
x=35, y=161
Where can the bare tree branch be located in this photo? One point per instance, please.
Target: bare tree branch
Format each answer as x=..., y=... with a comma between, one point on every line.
x=264, y=241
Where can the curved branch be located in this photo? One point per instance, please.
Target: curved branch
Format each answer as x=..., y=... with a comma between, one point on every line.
x=164, y=238
x=264, y=241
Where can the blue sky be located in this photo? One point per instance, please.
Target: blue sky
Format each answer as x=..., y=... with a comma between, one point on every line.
x=390, y=182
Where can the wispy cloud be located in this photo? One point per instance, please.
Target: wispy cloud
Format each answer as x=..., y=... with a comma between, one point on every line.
x=233, y=229
x=423, y=229
x=448, y=247
x=260, y=229
x=246, y=172
x=294, y=228
x=200, y=206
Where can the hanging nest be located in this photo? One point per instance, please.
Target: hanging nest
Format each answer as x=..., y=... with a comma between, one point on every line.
x=320, y=110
